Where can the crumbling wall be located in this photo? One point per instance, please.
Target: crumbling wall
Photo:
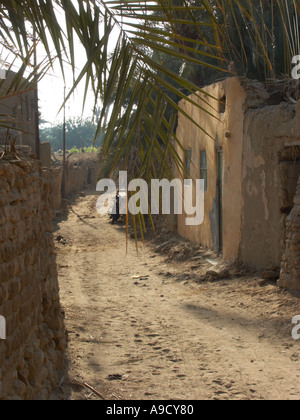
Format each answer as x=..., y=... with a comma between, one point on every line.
x=269, y=183
x=258, y=132
x=32, y=356
x=45, y=154
x=76, y=179
x=55, y=176
x=82, y=171
x=290, y=267
x=19, y=107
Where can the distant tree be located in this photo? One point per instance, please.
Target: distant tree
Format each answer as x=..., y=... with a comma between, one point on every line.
x=80, y=133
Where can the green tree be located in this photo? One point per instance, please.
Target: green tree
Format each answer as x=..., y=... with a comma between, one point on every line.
x=80, y=133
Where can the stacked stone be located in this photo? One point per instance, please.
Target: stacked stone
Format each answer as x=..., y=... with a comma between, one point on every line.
x=290, y=267
x=31, y=357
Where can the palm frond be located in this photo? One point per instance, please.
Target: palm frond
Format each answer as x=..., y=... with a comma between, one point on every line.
x=165, y=51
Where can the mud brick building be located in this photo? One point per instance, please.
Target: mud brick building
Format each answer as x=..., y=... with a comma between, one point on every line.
x=250, y=160
x=20, y=111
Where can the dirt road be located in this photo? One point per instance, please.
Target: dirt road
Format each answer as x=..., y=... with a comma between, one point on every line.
x=141, y=328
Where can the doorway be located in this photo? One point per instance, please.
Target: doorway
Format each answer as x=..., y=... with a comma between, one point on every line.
x=90, y=177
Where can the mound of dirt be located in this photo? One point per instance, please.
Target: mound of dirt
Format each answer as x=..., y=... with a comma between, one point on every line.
x=200, y=264
x=176, y=248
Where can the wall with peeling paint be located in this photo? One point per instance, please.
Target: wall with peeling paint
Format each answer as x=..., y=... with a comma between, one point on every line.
x=221, y=131
x=260, y=170
x=263, y=187
x=290, y=266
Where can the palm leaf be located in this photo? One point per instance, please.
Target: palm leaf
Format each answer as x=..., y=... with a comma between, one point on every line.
x=139, y=94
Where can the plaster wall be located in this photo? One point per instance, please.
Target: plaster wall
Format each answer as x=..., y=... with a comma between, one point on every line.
x=221, y=131
x=269, y=182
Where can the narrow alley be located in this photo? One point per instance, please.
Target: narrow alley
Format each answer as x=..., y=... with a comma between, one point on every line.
x=139, y=328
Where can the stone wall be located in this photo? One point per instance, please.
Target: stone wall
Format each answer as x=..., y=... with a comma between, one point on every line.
x=32, y=356
x=290, y=267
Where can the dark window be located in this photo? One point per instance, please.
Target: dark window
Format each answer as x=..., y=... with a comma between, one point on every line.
x=188, y=166
x=223, y=105
x=203, y=168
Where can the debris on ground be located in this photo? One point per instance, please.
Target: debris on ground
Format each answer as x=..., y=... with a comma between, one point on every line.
x=272, y=274
x=115, y=377
x=201, y=265
x=61, y=240
x=179, y=249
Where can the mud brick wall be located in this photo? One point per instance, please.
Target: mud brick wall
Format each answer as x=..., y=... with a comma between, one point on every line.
x=290, y=267
x=31, y=358
x=76, y=179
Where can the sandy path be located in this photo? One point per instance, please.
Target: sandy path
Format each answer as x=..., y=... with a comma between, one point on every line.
x=158, y=338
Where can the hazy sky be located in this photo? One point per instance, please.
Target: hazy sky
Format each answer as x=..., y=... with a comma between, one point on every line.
x=51, y=91
x=51, y=87
x=51, y=97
